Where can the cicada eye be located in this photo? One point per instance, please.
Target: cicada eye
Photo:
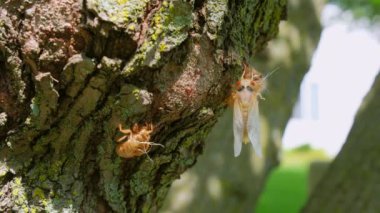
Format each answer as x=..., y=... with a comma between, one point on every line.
x=249, y=88
x=240, y=88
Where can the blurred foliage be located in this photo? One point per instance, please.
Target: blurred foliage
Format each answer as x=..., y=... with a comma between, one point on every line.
x=283, y=183
x=287, y=187
x=361, y=8
x=303, y=148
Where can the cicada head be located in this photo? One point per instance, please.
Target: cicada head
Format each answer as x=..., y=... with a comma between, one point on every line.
x=250, y=85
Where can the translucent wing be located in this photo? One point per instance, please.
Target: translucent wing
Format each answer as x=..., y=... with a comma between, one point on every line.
x=253, y=127
x=238, y=128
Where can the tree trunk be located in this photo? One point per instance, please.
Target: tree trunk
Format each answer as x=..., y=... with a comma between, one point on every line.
x=72, y=71
x=352, y=182
x=219, y=182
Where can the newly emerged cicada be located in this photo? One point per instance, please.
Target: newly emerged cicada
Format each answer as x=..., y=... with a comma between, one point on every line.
x=246, y=118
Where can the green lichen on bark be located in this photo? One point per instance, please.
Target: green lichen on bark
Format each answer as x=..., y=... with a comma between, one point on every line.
x=123, y=13
x=164, y=26
x=167, y=29
x=217, y=10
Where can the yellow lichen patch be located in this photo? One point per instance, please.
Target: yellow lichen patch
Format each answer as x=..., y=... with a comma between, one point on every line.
x=125, y=15
x=18, y=193
x=171, y=6
x=154, y=37
x=165, y=4
x=157, y=19
x=136, y=93
x=15, y=192
x=119, y=12
x=131, y=27
x=18, y=181
x=121, y=1
x=113, y=18
x=162, y=47
x=25, y=208
x=38, y=193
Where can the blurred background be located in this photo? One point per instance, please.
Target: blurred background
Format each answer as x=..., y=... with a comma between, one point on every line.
x=327, y=54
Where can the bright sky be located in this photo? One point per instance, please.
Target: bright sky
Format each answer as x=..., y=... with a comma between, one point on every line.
x=343, y=68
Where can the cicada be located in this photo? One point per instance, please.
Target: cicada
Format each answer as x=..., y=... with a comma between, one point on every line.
x=246, y=120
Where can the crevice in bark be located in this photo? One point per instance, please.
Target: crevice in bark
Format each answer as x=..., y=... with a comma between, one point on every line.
x=6, y=178
x=150, y=10
x=198, y=4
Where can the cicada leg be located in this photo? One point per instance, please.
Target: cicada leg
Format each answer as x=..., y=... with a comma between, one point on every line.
x=153, y=144
x=125, y=131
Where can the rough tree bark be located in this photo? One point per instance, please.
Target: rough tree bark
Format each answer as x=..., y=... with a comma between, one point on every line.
x=220, y=182
x=71, y=71
x=352, y=182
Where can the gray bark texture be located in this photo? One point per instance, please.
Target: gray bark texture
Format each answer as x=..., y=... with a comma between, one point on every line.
x=71, y=71
x=352, y=182
x=220, y=182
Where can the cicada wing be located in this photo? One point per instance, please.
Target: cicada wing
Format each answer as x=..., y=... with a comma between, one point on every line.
x=238, y=128
x=253, y=127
